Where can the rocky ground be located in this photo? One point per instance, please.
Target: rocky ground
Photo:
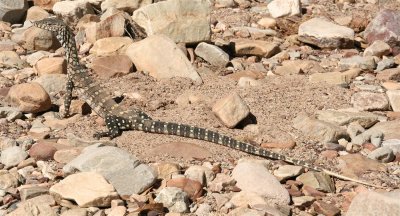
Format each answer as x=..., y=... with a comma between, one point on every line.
x=314, y=80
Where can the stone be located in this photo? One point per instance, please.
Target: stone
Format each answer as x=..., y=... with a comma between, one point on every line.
x=220, y=182
x=52, y=83
x=174, y=199
x=8, y=180
x=75, y=212
x=87, y=189
x=267, y=22
x=336, y=78
x=245, y=198
x=30, y=207
x=36, y=13
x=42, y=151
x=10, y=113
x=255, y=33
x=12, y=156
x=325, y=34
x=255, y=177
x=280, y=8
x=29, y=97
x=110, y=46
x=112, y=66
x=382, y=154
x=33, y=58
x=247, y=82
x=124, y=5
x=303, y=201
x=66, y=155
x=212, y=54
x=161, y=58
x=224, y=3
x=255, y=47
x=201, y=174
x=55, y=65
x=291, y=67
x=183, y=21
x=13, y=11
x=246, y=73
x=204, y=209
x=390, y=129
x=231, y=109
x=165, y=170
x=393, y=144
x=365, y=203
x=245, y=211
x=378, y=48
x=355, y=165
x=389, y=74
x=360, y=62
x=364, y=119
x=120, y=168
x=112, y=26
x=394, y=99
x=321, y=130
x=45, y=4
x=390, y=85
x=385, y=64
x=117, y=211
x=383, y=27
x=10, y=59
x=288, y=171
x=36, y=39
x=317, y=180
x=30, y=192
x=369, y=101
x=72, y=11
x=324, y=208
x=192, y=188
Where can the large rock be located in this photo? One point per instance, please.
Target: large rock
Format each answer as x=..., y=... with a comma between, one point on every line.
x=13, y=156
x=325, y=34
x=384, y=27
x=29, y=97
x=280, y=8
x=365, y=119
x=255, y=47
x=112, y=66
x=186, y=21
x=174, y=199
x=36, y=13
x=124, y=5
x=87, y=189
x=112, y=26
x=55, y=65
x=370, y=101
x=37, y=206
x=53, y=83
x=121, y=169
x=371, y=203
x=10, y=59
x=72, y=11
x=13, y=11
x=231, y=110
x=110, y=46
x=390, y=129
x=38, y=39
x=161, y=58
x=336, y=78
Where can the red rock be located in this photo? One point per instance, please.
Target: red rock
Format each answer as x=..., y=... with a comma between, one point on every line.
x=369, y=146
x=325, y=208
x=112, y=66
x=193, y=188
x=309, y=191
x=42, y=151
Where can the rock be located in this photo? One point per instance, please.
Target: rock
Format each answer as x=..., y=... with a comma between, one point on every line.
x=204, y=209
x=66, y=155
x=325, y=34
x=75, y=212
x=112, y=66
x=201, y=174
x=324, y=208
x=35, y=38
x=165, y=170
x=231, y=110
x=254, y=177
x=382, y=154
x=377, y=48
x=393, y=144
x=317, y=180
x=365, y=204
x=364, y=63
x=121, y=169
x=33, y=58
x=212, y=54
x=34, y=191
x=384, y=64
x=124, y=5
x=383, y=27
x=174, y=199
x=255, y=47
x=245, y=211
x=369, y=101
x=13, y=11
x=365, y=119
x=117, y=211
x=220, y=182
x=45, y=4
x=12, y=156
x=184, y=21
x=323, y=131
x=245, y=198
x=52, y=83
x=336, y=78
x=224, y=3
x=255, y=33
x=288, y=171
x=280, y=8
x=161, y=58
x=390, y=129
x=87, y=189
x=389, y=74
x=303, y=201
x=192, y=188
x=36, y=13
x=55, y=65
x=112, y=26
x=42, y=151
x=251, y=74
x=29, y=97
x=267, y=22
x=8, y=180
x=110, y=46
x=33, y=207
x=72, y=11
x=394, y=99
x=10, y=113
x=291, y=67
x=10, y=59
x=355, y=165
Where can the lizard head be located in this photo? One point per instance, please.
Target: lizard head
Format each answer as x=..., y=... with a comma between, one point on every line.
x=51, y=24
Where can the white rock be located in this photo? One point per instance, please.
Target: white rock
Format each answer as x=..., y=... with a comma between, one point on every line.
x=280, y=8
x=125, y=5
x=394, y=99
x=212, y=54
x=231, y=110
x=174, y=199
x=12, y=156
x=370, y=203
x=72, y=10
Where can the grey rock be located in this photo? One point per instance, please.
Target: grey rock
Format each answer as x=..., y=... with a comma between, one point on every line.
x=52, y=83
x=371, y=203
x=10, y=113
x=365, y=119
x=12, y=156
x=212, y=54
x=13, y=11
x=175, y=199
x=364, y=63
x=203, y=210
x=288, y=171
x=71, y=11
x=369, y=101
x=384, y=64
x=393, y=144
x=383, y=154
x=317, y=180
x=30, y=192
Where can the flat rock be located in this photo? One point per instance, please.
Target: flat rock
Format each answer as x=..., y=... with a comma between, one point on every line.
x=8, y=180
x=33, y=191
x=389, y=74
x=377, y=48
x=161, y=58
x=288, y=171
x=394, y=99
x=87, y=189
x=321, y=130
x=382, y=154
x=29, y=97
x=13, y=11
x=370, y=101
x=255, y=47
x=231, y=109
x=246, y=198
x=124, y=5
x=390, y=129
x=120, y=168
x=174, y=199
x=12, y=156
x=393, y=144
x=66, y=155
x=72, y=11
x=360, y=62
x=255, y=177
x=292, y=67
x=325, y=34
x=55, y=65
x=365, y=203
x=183, y=150
x=212, y=54
x=336, y=78
x=110, y=46
x=355, y=165
x=184, y=21
x=324, y=208
x=318, y=181
x=365, y=119
x=10, y=59
x=280, y=8
x=112, y=66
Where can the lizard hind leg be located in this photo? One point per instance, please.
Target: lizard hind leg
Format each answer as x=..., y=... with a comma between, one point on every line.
x=113, y=129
